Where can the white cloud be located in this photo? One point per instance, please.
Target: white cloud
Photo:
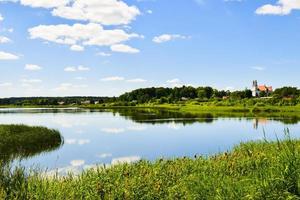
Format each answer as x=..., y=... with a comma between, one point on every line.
x=83, y=35
x=82, y=68
x=168, y=37
x=44, y=3
x=4, y=40
x=282, y=7
x=30, y=81
x=149, y=11
x=258, y=68
x=122, y=48
x=8, y=56
x=77, y=48
x=172, y=81
x=137, y=80
x=122, y=160
x=1, y=17
x=113, y=130
x=70, y=69
x=113, y=78
x=103, y=54
x=75, y=69
x=31, y=67
x=106, y=12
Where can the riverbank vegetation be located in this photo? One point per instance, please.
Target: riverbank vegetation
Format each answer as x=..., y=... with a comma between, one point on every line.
x=253, y=170
x=21, y=142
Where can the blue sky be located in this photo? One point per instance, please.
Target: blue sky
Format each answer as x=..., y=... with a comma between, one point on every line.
x=107, y=47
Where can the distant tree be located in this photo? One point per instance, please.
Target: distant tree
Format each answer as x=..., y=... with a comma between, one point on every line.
x=287, y=92
x=248, y=94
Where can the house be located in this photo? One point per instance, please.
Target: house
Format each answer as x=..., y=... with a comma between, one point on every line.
x=86, y=102
x=61, y=103
x=257, y=89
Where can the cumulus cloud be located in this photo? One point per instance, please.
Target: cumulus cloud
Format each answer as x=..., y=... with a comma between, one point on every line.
x=8, y=56
x=75, y=69
x=168, y=37
x=4, y=40
x=83, y=35
x=77, y=48
x=282, y=7
x=106, y=12
x=31, y=67
x=113, y=78
x=122, y=48
x=1, y=18
x=44, y=3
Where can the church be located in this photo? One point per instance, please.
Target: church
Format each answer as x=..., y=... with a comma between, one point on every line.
x=257, y=89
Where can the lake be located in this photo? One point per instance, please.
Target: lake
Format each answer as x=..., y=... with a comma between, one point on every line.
x=113, y=136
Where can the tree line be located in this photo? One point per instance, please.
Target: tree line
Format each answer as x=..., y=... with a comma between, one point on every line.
x=201, y=94
x=158, y=95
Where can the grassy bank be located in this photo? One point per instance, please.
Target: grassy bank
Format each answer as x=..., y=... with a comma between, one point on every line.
x=207, y=108
x=254, y=170
x=187, y=107
x=20, y=141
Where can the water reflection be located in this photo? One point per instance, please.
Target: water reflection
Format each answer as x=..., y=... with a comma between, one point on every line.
x=109, y=136
x=18, y=146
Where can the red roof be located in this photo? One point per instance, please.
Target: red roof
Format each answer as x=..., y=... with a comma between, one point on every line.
x=265, y=88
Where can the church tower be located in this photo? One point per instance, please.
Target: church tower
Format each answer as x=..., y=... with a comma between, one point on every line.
x=255, y=90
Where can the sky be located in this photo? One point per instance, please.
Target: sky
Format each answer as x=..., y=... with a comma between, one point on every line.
x=108, y=47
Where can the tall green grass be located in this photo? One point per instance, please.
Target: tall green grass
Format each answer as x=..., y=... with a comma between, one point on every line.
x=21, y=141
x=253, y=170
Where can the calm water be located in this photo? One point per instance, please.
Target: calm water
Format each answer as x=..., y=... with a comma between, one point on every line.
x=106, y=137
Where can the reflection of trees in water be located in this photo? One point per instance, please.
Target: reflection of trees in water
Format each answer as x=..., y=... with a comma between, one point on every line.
x=22, y=142
x=162, y=116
